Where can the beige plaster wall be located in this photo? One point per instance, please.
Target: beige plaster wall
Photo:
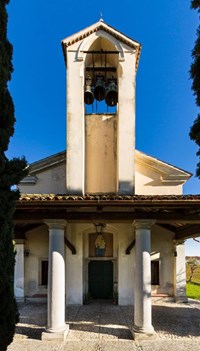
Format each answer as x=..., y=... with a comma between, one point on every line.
x=101, y=153
x=51, y=181
x=148, y=182
x=37, y=242
x=125, y=265
x=74, y=266
x=101, y=166
x=162, y=248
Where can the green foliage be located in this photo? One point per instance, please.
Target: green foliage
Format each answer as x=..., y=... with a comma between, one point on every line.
x=195, y=4
x=11, y=172
x=195, y=76
x=193, y=291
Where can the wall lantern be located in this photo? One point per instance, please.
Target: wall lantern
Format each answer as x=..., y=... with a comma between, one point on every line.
x=99, y=228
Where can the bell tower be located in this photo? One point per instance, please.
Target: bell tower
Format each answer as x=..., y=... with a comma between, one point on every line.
x=101, y=70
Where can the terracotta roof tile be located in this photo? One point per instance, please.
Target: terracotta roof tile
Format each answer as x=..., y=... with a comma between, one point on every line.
x=105, y=197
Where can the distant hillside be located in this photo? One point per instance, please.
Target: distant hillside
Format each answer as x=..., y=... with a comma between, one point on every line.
x=189, y=258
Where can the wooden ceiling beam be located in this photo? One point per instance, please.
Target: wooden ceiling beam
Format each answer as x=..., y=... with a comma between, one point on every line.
x=163, y=217
x=188, y=231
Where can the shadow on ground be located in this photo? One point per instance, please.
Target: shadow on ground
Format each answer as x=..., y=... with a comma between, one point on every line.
x=106, y=321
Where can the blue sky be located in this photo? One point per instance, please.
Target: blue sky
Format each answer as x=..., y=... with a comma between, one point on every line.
x=165, y=107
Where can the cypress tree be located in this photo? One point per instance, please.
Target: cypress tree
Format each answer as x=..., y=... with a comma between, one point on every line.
x=195, y=76
x=11, y=172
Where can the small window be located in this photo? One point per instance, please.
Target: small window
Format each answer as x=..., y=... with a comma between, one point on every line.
x=44, y=272
x=154, y=272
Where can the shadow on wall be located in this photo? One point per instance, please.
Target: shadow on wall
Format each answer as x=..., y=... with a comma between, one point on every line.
x=125, y=188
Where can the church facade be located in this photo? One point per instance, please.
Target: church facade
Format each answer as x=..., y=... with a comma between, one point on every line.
x=102, y=220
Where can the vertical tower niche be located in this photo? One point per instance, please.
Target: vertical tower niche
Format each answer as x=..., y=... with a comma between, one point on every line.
x=101, y=104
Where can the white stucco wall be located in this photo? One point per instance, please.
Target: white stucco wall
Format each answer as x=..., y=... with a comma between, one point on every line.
x=101, y=170
x=125, y=265
x=74, y=266
x=38, y=244
x=19, y=270
x=162, y=246
x=50, y=181
x=148, y=182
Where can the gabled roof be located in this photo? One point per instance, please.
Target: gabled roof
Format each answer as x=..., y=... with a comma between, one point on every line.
x=101, y=25
x=168, y=172
x=47, y=162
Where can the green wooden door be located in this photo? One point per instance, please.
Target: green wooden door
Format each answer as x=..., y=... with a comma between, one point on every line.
x=101, y=279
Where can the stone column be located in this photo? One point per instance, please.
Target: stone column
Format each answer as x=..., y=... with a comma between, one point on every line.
x=180, y=272
x=19, y=270
x=56, y=327
x=142, y=290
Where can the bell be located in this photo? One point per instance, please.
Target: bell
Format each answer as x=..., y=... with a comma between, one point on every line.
x=111, y=97
x=88, y=95
x=99, y=89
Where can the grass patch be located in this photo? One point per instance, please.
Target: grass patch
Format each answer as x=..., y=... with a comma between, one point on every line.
x=193, y=291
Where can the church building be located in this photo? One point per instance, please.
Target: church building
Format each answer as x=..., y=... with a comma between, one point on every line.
x=102, y=220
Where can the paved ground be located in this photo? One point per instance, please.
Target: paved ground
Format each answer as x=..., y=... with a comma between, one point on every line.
x=102, y=326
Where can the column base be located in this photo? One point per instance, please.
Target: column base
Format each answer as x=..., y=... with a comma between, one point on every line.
x=55, y=335
x=20, y=299
x=143, y=333
x=181, y=299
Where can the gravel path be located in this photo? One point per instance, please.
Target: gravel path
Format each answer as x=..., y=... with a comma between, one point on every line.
x=102, y=326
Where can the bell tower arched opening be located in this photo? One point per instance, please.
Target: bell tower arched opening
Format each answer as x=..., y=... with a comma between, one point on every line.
x=101, y=100
x=101, y=83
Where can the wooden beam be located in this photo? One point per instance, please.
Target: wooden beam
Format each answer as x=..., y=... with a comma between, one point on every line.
x=70, y=246
x=162, y=216
x=130, y=247
x=187, y=231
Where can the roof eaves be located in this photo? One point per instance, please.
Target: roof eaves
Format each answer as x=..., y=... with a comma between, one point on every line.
x=100, y=25
x=156, y=163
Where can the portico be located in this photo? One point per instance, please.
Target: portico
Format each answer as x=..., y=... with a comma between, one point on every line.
x=133, y=262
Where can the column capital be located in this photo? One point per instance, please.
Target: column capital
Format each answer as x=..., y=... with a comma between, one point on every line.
x=143, y=223
x=20, y=241
x=178, y=242
x=56, y=223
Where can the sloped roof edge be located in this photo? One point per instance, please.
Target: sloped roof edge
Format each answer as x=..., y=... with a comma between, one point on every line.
x=101, y=25
x=160, y=166
x=163, y=167
x=98, y=26
x=47, y=162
